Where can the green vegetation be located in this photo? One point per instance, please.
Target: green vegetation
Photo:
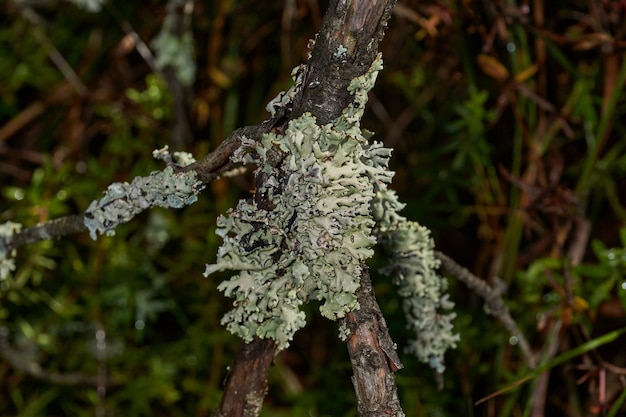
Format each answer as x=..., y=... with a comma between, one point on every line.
x=507, y=124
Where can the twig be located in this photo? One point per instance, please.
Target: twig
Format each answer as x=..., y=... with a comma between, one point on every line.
x=54, y=54
x=246, y=385
x=208, y=169
x=493, y=301
x=34, y=369
x=373, y=356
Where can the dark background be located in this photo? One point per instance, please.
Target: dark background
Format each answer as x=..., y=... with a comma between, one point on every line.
x=507, y=120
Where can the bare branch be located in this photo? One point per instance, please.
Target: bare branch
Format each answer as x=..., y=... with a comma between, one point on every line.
x=373, y=356
x=46, y=231
x=217, y=162
x=493, y=301
x=247, y=383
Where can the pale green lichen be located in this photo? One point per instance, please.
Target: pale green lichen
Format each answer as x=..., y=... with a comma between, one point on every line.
x=340, y=53
x=7, y=257
x=312, y=228
x=180, y=159
x=284, y=99
x=122, y=201
x=175, y=50
x=310, y=240
x=344, y=331
x=413, y=267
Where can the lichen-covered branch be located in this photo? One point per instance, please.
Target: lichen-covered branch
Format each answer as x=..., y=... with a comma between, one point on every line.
x=307, y=231
x=7, y=254
x=413, y=265
x=493, y=302
x=169, y=188
x=207, y=169
x=324, y=95
x=217, y=162
x=122, y=201
x=344, y=49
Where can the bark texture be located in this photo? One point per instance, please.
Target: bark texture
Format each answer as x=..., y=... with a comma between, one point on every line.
x=344, y=49
x=373, y=356
x=246, y=385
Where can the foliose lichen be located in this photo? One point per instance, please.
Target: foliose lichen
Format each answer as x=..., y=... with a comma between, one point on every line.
x=284, y=99
x=413, y=266
x=122, y=201
x=180, y=159
x=315, y=223
x=340, y=53
x=7, y=257
x=176, y=50
x=309, y=239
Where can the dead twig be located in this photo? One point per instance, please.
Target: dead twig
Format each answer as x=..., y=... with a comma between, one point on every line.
x=493, y=302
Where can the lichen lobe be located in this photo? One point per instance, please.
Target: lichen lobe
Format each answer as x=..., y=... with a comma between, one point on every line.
x=309, y=239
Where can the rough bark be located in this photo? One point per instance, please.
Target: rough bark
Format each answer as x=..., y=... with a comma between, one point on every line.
x=344, y=49
x=246, y=385
x=373, y=356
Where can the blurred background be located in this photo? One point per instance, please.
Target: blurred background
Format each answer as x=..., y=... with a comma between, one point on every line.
x=507, y=119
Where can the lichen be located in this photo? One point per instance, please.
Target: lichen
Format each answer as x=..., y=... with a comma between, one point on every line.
x=122, y=201
x=344, y=331
x=412, y=265
x=340, y=53
x=180, y=159
x=312, y=223
x=175, y=50
x=7, y=257
x=284, y=99
x=310, y=238
x=412, y=262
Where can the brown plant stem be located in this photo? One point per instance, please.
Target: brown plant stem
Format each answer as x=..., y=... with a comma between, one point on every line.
x=344, y=49
x=246, y=385
x=373, y=356
x=493, y=302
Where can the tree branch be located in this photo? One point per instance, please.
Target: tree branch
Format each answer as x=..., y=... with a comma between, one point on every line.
x=246, y=385
x=217, y=162
x=34, y=369
x=493, y=302
x=373, y=356
x=345, y=48
x=208, y=168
